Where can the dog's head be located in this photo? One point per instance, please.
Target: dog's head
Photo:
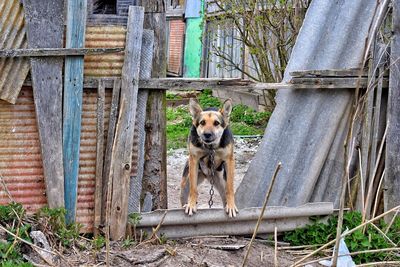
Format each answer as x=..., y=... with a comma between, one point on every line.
x=210, y=123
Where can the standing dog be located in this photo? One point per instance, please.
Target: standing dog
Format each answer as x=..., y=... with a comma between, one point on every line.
x=210, y=137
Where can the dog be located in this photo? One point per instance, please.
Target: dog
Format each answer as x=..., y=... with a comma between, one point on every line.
x=210, y=140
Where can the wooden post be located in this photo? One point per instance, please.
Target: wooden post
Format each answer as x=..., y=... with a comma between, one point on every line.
x=155, y=168
x=392, y=177
x=73, y=88
x=45, y=28
x=121, y=157
x=99, y=156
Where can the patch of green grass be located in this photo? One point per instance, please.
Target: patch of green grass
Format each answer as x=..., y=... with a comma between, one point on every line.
x=171, y=96
x=206, y=100
x=321, y=233
x=98, y=242
x=241, y=128
x=244, y=120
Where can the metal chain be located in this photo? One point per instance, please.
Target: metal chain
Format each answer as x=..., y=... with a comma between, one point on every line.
x=212, y=168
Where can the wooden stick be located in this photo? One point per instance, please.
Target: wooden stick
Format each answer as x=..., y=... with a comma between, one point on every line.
x=379, y=263
x=56, y=52
x=276, y=247
x=99, y=157
x=391, y=222
x=371, y=183
x=377, y=194
x=384, y=235
x=278, y=167
x=155, y=230
x=362, y=181
x=299, y=247
x=347, y=233
x=352, y=254
x=3, y=183
x=33, y=245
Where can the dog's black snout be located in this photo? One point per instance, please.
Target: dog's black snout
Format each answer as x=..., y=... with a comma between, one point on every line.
x=207, y=135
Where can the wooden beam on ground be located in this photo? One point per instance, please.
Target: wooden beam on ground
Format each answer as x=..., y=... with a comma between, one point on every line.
x=57, y=52
x=155, y=169
x=392, y=177
x=98, y=194
x=121, y=157
x=45, y=28
x=73, y=88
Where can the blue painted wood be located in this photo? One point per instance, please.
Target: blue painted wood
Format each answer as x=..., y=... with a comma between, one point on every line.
x=73, y=86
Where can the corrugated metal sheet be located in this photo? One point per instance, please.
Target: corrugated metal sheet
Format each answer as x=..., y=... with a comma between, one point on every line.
x=21, y=162
x=87, y=156
x=307, y=129
x=175, y=46
x=13, y=71
x=107, y=65
x=20, y=158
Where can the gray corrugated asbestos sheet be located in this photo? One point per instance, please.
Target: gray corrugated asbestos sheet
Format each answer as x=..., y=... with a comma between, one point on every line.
x=307, y=129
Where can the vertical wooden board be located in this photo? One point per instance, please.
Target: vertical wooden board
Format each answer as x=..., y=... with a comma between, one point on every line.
x=123, y=141
x=110, y=140
x=155, y=169
x=392, y=177
x=146, y=61
x=45, y=29
x=99, y=156
x=73, y=86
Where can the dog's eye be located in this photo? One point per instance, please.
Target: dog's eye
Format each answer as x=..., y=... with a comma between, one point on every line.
x=203, y=123
x=216, y=123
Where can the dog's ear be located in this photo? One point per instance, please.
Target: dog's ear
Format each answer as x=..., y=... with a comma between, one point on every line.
x=194, y=108
x=227, y=109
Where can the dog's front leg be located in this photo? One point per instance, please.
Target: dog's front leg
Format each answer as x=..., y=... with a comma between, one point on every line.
x=230, y=208
x=191, y=206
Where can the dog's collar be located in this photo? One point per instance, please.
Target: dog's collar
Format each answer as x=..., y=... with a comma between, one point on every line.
x=211, y=147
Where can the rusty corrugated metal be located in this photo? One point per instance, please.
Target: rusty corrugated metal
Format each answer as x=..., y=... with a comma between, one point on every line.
x=175, y=46
x=20, y=158
x=13, y=71
x=107, y=65
x=21, y=161
x=87, y=161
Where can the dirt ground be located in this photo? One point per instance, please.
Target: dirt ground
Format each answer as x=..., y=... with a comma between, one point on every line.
x=245, y=149
x=204, y=251
x=223, y=251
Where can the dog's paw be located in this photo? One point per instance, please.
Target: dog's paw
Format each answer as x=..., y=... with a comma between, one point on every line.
x=190, y=208
x=231, y=209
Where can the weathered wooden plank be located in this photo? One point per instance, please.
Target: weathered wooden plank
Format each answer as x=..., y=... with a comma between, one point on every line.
x=333, y=83
x=110, y=140
x=122, y=148
x=392, y=177
x=73, y=86
x=45, y=28
x=146, y=61
x=331, y=72
x=53, y=52
x=98, y=194
x=155, y=169
x=199, y=84
x=366, y=168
